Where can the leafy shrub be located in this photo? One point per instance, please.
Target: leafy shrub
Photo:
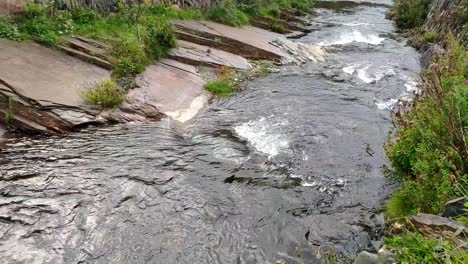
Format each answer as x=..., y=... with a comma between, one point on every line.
x=414, y=248
x=131, y=56
x=429, y=152
x=105, y=94
x=410, y=14
x=9, y=30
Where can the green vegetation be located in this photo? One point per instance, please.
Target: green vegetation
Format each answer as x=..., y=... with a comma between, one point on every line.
x=9, y=30
x=105, y=94
x=227, y=12
x=410, y=14
x=430, y=37
x=278, y=28
x=415, y=248
x=430, y=151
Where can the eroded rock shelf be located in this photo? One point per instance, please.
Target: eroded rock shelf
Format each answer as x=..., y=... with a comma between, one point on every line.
x=40, y=87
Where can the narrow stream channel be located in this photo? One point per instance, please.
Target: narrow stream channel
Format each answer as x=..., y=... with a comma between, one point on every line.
x=293, y=164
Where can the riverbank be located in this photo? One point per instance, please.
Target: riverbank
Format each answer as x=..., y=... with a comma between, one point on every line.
x=429, y=150
x=115, y=77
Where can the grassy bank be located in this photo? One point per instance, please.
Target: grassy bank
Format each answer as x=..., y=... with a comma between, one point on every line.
x=429, y=152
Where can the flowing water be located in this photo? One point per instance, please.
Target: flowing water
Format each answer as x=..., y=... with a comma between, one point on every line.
x=290, y=168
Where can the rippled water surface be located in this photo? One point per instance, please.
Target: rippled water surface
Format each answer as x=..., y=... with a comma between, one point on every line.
x=291, y=164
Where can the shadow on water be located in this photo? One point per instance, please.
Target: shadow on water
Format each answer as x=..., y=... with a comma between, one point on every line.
x=291, y=165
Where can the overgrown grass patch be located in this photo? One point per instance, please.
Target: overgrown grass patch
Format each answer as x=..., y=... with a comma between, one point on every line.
x=105, y=94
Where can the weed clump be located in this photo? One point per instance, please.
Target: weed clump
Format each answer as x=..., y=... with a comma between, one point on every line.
x=105, y=94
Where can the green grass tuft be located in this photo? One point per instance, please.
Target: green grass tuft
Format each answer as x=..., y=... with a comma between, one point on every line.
x=222, y=88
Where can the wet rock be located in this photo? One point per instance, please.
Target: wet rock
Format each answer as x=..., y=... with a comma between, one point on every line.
x=455, y=208
x=436, y=222
x=167, y=87
x=299, y=52
x=429, y=52
x=366, y=258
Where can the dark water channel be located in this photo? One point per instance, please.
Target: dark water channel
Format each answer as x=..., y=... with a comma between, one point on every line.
x=292, y=164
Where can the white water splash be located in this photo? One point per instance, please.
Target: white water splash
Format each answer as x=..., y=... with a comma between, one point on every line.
x=365, y=76
x=265, y=135
x=411, y=85
x=354, y=36
x=386, y=104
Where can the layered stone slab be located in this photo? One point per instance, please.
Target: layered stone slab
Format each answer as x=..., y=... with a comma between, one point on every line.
x=40, y=87
x=200, y=55
x=252, y=44
x=45, y=75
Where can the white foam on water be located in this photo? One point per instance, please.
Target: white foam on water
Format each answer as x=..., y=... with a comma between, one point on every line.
x=355, y=24
x=386, y=104
x=265, y=135
x=354, y=36
x=365, y=76
x=411, y=85
x=350, y=69
x=307, y=184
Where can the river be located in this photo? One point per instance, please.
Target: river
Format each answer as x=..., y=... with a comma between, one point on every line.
x=288, y=169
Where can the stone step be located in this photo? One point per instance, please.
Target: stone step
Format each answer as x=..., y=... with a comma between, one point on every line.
x=252, y=44
x=91, y=48
x=269, y=26
x=200, y=55
x=86, y=57
x=295, y=35
x=95, y=43
x=288, y=25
